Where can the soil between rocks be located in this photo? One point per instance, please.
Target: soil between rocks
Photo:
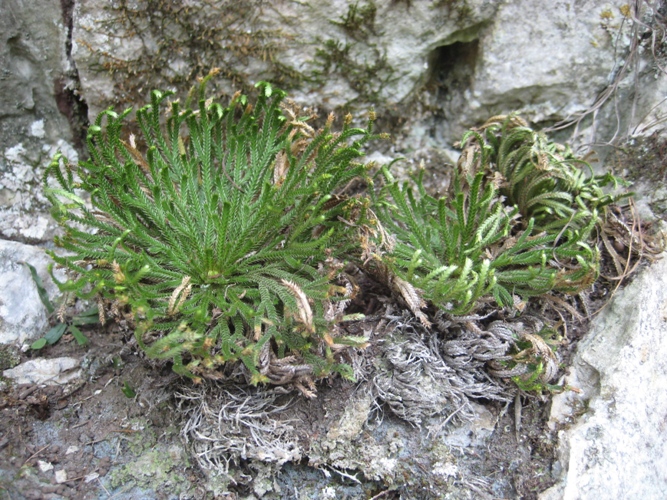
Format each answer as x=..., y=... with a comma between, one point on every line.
x=89, y=440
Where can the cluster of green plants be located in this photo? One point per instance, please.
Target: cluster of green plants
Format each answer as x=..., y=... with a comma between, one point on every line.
x=223, y=231
x=359, y=20
x=519, y=219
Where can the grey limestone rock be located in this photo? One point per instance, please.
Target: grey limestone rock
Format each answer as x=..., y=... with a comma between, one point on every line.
x=616, y=449
x=36, y=97
x=23, y=317
x=45, y=371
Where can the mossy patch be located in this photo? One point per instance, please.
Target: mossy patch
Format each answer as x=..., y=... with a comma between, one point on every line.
x=9, y=357
x=162, y=468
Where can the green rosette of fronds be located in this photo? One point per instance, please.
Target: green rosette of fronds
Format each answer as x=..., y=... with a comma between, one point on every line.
x=544, y=179
x=470, y=246
x=218, y=228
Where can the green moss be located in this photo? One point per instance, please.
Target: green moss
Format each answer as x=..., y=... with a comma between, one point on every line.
x=368, y=77
x=359, y=20
x=158, y=469
x=9, y=357
x=143, y=440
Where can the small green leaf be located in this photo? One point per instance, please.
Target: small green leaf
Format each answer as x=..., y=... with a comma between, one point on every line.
x=351, y=340
x=354, y=317
x=89, y=317
x=54, y=334
x=38, y=344
x=66, y=194
x=80, y=338
x=128, y=391
x=43, y=295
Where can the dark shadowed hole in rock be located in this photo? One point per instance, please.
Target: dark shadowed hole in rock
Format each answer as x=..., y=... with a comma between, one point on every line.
x=451, y=69
x=72, y=106
x=451, y=73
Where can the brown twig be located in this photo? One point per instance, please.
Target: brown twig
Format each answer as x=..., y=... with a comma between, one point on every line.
x=36, y=453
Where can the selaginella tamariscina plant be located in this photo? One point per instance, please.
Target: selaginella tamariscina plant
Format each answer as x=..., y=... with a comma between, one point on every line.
x=519, y=220
x=221, y=232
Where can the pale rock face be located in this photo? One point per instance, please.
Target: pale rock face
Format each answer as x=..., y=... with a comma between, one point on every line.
x=23, y=206
x=616, y=449
x=337, y=52
x=467, y=60
x=23, y=317
x=552, y=59
x=545, y=62
x=32, y=124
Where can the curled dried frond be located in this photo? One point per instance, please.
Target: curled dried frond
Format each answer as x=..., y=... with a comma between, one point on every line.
x=280, y=168
x=305, y=313
x=181, y=292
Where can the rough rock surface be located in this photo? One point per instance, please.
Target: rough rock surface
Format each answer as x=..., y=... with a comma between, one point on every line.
x=45, y=371
x=544, y=62
x=432, y=67
x=23, y=317
x=36, y=97
x=616, y=448
x=463, y=60
x=333, y=52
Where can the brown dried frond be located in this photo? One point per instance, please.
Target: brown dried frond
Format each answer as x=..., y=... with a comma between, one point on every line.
x=330, y=119
x=307, y=130
x=466, y=164
x=135, y=153
x=100, y=311
x=286, y=371
x=412, y=297
x=280, y=168
x=303, y=306
x=62, y=310
x=118, y=275
x=512, y=120
x=498, y=180
x=543, y=162
x=184, y=287
x=298, y=146
x=558, y=304
x=626, y=243
x=290, y=108
x=307, y=392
